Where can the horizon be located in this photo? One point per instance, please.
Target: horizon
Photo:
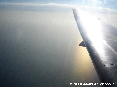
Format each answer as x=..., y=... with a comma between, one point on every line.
x=92, y=3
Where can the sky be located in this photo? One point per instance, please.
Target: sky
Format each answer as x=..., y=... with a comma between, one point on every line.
x=99, y=3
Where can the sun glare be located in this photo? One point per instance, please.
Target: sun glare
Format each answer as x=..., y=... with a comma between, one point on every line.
x=93, y=30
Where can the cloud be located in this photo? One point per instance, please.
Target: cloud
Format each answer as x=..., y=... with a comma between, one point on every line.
x=30, y=4
x=33, y=6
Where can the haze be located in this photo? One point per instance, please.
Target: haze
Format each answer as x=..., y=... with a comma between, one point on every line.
x=40, y=46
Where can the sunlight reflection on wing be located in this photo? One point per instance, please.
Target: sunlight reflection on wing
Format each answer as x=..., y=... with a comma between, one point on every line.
x=93, y=29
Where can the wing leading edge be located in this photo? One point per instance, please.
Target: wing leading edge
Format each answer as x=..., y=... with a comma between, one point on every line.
x=101, y=42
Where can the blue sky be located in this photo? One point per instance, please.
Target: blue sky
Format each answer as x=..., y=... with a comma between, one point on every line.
x=99, y=3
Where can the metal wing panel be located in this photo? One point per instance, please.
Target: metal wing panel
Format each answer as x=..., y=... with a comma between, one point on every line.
x=101, y=42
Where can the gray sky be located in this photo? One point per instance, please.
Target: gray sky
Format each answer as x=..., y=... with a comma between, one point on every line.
x=99, y=3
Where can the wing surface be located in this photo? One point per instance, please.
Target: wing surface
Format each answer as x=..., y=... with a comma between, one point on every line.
x=101, y=42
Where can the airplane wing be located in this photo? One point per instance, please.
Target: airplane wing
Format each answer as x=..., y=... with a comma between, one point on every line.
x=101, y=42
